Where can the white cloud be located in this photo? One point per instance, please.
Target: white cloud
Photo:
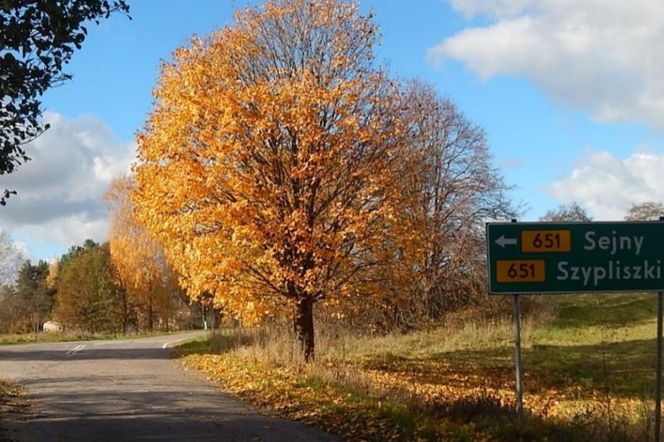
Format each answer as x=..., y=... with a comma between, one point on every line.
x=496, y=8
x=60, y=191
x=608, y=186
x=605, y=56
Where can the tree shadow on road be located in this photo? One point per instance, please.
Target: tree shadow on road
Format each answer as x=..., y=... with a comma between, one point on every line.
x=95, y=353
x=163, y=413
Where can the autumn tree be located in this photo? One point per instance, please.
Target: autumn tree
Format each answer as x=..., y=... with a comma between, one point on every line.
x=647, y=211
x=450, y=188
x=35, y=296
x=27, y=303
x=52, y=276
x=269, y=166
x=38, y=39
x=572, y=212
x=138, y=259
x=11, y=308
x=87, y=295
x=11, y=259
x=457, y=188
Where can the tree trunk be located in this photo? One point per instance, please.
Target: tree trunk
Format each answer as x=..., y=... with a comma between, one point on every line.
x=213, y=319
x=150, y=313
x=125, y=313
x=304, y=326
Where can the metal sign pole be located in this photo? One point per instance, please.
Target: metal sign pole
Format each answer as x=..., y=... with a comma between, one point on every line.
x=658, y=368
x=517, y=358
x=517, y=355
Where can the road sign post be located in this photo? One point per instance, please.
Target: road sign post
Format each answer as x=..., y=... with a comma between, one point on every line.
x=518, y=381
x=597, y=257
x=658, y=368
x=518, y=386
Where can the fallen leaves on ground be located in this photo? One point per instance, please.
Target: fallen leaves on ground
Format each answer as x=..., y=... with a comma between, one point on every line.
x=406, y=399
x=11, y=399
x=301, y=393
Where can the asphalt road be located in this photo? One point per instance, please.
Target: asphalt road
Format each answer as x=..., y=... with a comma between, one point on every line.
x=125, y=390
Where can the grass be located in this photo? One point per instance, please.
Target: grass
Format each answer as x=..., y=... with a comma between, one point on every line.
x=588, y=375
x=28, y=338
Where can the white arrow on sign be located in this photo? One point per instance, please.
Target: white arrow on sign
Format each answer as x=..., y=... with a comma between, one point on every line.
x=502, y=241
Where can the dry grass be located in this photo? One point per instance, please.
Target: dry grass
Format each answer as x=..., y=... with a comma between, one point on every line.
x=588, y=376
x=66, y=336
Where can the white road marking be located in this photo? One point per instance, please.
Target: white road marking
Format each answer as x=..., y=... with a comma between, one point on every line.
x=171, y=343
x=76, y=349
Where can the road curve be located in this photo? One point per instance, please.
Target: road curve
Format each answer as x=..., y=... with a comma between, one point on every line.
x=125, y=390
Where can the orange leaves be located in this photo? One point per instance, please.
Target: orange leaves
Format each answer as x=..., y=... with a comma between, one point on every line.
x=268, y=166
x=137, y=257
x=299, y=395
x=397, y=399
x=342, y=397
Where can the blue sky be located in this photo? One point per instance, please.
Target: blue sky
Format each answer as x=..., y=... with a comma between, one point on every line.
x=568, y=92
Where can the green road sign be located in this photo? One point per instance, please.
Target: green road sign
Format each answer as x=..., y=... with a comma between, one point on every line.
x=575, y=257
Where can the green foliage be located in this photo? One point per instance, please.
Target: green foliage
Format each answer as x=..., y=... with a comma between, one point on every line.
x=31, y=286
x=38, y=38
x=27, y=304
x=88, y=297
x=74, y=252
